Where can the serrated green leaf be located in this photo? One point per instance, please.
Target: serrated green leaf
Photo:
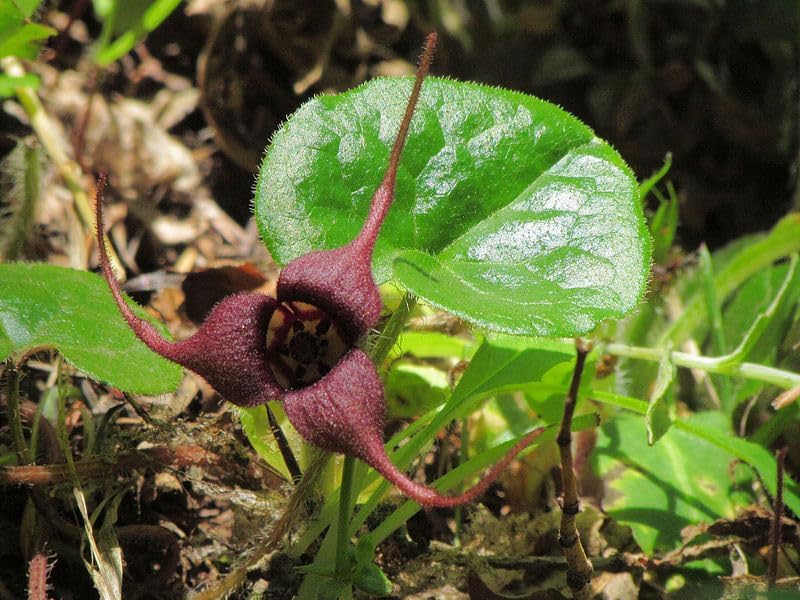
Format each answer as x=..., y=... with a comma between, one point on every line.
x=46, y=306
x=509, y=212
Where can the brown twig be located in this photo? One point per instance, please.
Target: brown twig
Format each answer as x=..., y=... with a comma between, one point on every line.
x=579, y=568
x=96, y=468
x=541, y=566
x=777, y=525
x=140, y=412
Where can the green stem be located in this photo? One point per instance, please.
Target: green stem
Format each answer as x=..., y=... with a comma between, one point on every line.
x=720, y=344
x=14, y=414
x=342, y=535
x=394, y=327
x=378, y=351
x=721, y=364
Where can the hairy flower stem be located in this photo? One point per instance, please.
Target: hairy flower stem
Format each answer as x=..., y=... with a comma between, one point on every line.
x=579, y=568
x=343, y=524
x=15, y=415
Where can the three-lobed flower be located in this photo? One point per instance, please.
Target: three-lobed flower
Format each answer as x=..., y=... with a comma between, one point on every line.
x=302, y=347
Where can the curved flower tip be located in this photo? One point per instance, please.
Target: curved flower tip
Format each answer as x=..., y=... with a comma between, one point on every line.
x=340, y=280
x=228, y=350
x=345, y=413
x=430, y=498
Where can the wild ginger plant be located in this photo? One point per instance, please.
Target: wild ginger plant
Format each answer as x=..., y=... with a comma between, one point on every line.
x=493, y=206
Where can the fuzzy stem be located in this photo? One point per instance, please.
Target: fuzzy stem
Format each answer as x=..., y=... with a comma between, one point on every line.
x=384, y=195
x=15, y=415
x=143, y=330
x=345, y=501
x=24, y=210
x=37, y=577
x=777, y=523
x=385, y=342
x=579, y=569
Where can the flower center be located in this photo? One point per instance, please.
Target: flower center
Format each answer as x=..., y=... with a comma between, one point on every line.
x=303, y=344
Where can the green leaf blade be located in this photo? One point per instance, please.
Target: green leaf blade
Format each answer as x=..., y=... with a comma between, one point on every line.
x=658, y=490
x=504, y=203
x=45, y=306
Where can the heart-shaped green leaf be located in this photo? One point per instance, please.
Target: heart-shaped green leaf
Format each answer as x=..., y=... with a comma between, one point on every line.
x=509, y=212
x=45, y=306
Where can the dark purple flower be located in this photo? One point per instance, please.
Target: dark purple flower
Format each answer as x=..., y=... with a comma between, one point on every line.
x=301, y=348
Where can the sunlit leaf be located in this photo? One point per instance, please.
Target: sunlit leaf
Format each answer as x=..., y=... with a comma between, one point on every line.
x=657, y=490
x=45, y=306
x=510, y=213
